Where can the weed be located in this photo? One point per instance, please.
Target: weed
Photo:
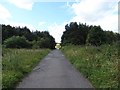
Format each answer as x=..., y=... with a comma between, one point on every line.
x=18, y=62
x=98, y=64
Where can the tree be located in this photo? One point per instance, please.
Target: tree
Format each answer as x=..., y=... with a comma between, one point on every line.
x=69, y=35
x=75, y=34
x=45, y=42
x=7, y=32
x=96, y=36
x=33, y=37
x=16, y=42
x=84, y=30
x=81, y=34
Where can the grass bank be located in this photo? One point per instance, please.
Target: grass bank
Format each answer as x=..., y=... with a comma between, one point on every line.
x=98, y=64
x=18, y=62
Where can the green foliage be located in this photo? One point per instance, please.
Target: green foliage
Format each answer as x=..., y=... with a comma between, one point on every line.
x=96, y=36
x=16, y=42
x=18, y=62
x=111, y=37
x=44, y=43
x=98, y=64
x=9, y=31
x=44, y=40
x=75, y=34
x=12, y=37
x=81, y=34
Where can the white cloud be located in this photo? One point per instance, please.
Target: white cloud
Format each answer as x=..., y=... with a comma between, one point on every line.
x=56, y=30
x=4, y=13
x=25, y=4
x=5, y=16
x=91, y=12
x=41, y=23
x=97, y=12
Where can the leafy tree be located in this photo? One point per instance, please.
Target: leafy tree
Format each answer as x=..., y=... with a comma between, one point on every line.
x=84, y=30
x=69, y=35
x=81, y=34
x=25, y=32
x=44, y=43
x=16, y=42
x=75, y=34
x=109, y=35
x=33, y=37
x=7, y=32
x=96, y=36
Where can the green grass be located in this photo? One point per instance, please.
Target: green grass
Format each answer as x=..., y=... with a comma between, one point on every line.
x=18, y=62
x=98, y=64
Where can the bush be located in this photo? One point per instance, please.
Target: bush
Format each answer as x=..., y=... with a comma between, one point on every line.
x=17, y=42
x=44, y=43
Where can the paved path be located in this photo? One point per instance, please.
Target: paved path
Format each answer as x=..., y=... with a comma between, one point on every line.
x=54, y=71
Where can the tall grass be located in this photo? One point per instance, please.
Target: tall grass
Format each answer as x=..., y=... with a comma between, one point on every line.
x=17, y=62
x=98, y=64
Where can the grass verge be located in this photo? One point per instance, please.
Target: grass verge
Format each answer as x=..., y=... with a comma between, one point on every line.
x=18, y=62
x=98, y=64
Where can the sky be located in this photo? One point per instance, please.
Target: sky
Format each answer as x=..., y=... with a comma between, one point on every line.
x=53, y=15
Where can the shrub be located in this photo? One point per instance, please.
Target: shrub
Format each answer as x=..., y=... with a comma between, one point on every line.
x=44, y=43
x=17, y=42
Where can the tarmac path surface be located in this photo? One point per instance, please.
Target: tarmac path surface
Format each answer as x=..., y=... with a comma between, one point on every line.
x=54, y=71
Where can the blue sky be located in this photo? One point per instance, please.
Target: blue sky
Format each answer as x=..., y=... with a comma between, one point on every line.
x=46, y=12
x=53, y=16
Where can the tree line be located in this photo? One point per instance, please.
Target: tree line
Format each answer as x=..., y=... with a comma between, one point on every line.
x=82, y=34
x=22, y=37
